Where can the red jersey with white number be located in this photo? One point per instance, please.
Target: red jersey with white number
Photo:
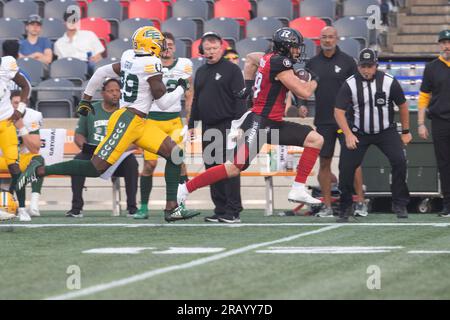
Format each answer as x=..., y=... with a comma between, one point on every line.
x=269, y=93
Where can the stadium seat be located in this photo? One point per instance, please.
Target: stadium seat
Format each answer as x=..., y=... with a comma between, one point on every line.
x=196, y=10
x=69, y=68
x=197, y=63
x=58, y=103
x=117, y=47
x=182, y=28
x=263, y=27
x=196, y=43
x=106, y=61
x=309, y=27
x=281, y=9
x=323, y=9
x=358, y=8
x=34, y=68
x=350, y=46
x=228, y=28
x=11, y=28
x=248, y=45
x=150, y=9
x=110, y=10
x=52, y=28
x=353, y=27
x=129, y=26
x=99, y=26
x=236, y=9
x=310, y=48
x=182, y=50
x=56, y=8
x=20, y=9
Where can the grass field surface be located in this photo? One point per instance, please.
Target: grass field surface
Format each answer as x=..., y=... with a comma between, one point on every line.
x=104, y=257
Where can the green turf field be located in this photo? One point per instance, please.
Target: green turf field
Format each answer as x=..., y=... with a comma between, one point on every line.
x=262, y=258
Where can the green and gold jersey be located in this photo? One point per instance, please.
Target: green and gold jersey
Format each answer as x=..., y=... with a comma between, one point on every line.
x=93, y=126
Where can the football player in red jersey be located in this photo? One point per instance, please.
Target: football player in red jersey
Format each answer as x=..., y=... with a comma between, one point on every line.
x=274, y=77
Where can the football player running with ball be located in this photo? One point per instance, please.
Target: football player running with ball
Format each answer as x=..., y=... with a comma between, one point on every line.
x=274, y=77
x=140, y=70
x=9, y=143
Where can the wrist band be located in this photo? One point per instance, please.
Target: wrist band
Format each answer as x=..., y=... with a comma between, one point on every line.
x=23, y=132
x=21, y=107
x=406, y=131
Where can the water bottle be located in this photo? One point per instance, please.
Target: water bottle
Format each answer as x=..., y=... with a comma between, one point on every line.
x=91, y=65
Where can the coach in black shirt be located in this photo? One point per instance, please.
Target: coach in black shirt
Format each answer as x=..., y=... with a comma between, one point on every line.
x=435, y=97
x=369, y=98
x=216, y=85
x=332, y=66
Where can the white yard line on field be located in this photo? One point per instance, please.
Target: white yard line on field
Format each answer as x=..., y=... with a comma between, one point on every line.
x=218, y=225
x=188, y=265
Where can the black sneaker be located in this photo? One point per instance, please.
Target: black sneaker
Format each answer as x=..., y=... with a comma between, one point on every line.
x=74, y=214
x=213, y=218
x=229, y=219
x=400, y=211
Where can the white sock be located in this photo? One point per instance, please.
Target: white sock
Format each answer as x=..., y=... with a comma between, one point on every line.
x=298, y=185
x=34, y=203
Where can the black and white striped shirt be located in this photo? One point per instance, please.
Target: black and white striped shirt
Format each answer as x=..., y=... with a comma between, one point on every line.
x=370, y=104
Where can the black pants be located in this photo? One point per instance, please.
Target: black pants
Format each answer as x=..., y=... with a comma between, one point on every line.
x=389, y=142
x=225, y=194
x=440, y=130
x=127, y=169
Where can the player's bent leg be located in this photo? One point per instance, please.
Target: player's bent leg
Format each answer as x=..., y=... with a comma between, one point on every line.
x=36, y=187
x=312, y=145
x=14, y=170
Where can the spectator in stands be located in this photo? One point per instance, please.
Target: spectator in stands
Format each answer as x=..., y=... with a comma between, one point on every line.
x=384, y=9
x=34, y=46
x=81, y=44
x=231, y=55
x=434, y=98
x=91, y=129
x=215, y=104
x=332, y=66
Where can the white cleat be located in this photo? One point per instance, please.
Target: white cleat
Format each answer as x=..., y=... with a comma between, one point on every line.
x=23, y=215
x=300, y=195
x=34, y=212
x=182, y=193
x=6, y=215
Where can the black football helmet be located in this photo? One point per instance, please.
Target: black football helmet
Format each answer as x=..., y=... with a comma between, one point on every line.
x=285, y=38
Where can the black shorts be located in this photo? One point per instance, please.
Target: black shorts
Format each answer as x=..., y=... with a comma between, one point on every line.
x=260, y=130
x=329, y=134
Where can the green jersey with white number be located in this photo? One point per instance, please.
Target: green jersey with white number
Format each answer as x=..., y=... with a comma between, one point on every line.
x=135, y=71
x=93, y=126
x=181, y=68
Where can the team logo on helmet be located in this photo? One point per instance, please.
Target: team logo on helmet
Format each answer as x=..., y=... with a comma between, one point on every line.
x=148, y=40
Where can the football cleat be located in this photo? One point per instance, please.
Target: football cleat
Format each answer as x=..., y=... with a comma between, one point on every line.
x=179, y=213
x=34, y=205
x=23, y=215
x=182, y=193
x=300, y=195
x=29, y=174
x=140, y=214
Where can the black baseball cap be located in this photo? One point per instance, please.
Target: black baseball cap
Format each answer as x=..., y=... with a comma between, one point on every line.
x=444, y=35
x=367, y=56
x=34, y=18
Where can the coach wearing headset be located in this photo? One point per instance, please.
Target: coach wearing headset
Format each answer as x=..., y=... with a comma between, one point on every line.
x=215, y=104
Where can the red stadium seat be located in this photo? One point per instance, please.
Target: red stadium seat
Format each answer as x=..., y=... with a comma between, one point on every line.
x=237, y=9
x=309, y=27
x=99, y=26
x=196, y=43
x=155, y=10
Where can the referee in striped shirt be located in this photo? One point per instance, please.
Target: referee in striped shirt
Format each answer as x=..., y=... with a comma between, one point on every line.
x=365, y=113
